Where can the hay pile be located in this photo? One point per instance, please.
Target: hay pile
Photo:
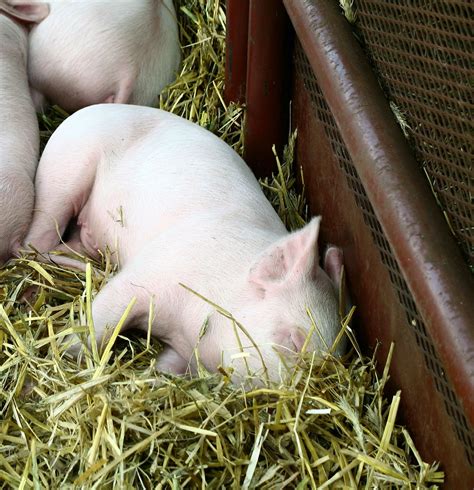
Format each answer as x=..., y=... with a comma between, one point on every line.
x=113, y=423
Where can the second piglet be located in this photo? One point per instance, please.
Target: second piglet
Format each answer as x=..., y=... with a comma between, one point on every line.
x=88, y=52
x=19, y=133
x=185, y=214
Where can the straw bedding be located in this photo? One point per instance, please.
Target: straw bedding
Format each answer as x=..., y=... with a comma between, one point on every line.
x=111, y=421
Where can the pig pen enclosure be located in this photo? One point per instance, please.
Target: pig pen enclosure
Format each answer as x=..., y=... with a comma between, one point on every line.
x=403, y=395
x=396, y=197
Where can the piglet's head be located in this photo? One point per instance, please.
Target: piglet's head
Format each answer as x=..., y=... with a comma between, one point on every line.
x=286, y=293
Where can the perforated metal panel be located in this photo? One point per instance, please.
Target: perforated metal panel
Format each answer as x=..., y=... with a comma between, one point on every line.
x=423, y=53
x=413, y=318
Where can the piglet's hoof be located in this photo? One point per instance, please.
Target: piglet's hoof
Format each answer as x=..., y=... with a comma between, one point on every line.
x=170, y=362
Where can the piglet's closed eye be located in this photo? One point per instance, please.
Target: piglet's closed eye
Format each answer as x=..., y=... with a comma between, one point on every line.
x=289, y=339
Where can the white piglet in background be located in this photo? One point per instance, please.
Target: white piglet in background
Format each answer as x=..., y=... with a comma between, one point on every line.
x=19, y=133
x=93, y=51
x=181, y=207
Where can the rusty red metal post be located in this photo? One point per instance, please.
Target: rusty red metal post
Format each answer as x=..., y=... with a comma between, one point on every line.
x=237, y=12
x=267, y=94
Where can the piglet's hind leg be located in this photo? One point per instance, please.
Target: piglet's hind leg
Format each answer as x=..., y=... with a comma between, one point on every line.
x=124, y=89
x=63, y=183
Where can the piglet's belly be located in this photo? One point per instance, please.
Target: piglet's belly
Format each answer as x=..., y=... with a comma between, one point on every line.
x=93, y=232
x=124, y=230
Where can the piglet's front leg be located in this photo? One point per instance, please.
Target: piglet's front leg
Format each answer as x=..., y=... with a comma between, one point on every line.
x=169, y=361
x=110, y=305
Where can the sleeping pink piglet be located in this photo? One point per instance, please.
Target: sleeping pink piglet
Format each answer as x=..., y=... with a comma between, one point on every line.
x=183, y=213
x=19, y=132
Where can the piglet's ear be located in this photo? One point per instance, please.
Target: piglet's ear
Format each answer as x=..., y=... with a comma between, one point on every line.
x=334, y=267
x=293, y=257
x=333, y=263
x=25, y=11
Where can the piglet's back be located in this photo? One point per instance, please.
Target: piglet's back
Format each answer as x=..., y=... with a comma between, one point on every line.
x=153, y=169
